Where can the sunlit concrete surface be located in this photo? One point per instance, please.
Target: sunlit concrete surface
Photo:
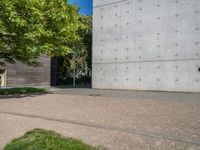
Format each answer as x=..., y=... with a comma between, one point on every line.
x=146, y=45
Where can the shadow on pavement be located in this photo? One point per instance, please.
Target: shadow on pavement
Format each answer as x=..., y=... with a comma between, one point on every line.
x=24, y=95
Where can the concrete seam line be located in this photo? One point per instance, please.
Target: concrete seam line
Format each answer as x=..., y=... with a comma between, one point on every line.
x=109, y=4
x=137, y=62
x=129, y=131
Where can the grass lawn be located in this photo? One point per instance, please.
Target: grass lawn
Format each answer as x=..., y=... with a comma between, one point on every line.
x=24, y=90
x=40, y=139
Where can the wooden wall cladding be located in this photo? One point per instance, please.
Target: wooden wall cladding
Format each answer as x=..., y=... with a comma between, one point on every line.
x=22, y=75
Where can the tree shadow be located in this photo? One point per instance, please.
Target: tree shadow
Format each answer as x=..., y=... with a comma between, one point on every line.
x=11, y=96
x=71, y=87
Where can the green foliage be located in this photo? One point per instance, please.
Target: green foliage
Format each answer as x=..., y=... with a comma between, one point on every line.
x=22, y=91
x=30, y=28
x=81, y=52
x=39, y=139
x=85, y=32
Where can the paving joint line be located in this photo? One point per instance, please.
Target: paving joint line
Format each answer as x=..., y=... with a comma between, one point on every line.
x=86, y=124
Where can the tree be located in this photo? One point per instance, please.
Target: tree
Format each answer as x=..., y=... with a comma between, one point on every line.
x=30, y=28
x=81, y=52
x=85, y=32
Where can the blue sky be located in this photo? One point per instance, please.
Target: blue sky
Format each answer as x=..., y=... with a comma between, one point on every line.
x=85, y=6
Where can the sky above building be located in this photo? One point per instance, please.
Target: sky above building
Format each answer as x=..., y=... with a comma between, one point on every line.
x=85, y=6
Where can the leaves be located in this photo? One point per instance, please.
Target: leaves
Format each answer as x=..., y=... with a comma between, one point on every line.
x=30, y=28
x=81, y=52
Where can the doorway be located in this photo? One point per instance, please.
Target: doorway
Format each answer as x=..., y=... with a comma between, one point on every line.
x=2, y=78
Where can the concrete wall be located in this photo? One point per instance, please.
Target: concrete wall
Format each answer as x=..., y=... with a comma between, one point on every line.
x=146, y=45
x=19, y=75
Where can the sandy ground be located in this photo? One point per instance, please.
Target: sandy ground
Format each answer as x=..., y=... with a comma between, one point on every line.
x=120, y=121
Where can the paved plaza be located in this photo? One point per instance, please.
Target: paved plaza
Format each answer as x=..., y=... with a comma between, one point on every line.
x=117, y=120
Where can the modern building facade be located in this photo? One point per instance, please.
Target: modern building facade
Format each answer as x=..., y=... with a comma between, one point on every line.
x=146, y=45
x=20, y=75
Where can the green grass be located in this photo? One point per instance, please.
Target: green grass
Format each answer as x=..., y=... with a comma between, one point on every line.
x=24, y=90
x=40, y=139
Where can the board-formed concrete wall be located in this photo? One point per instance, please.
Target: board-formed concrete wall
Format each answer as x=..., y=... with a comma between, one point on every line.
x=146, y=45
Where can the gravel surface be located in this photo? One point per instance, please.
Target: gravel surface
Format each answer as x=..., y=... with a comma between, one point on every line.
x=118, y=121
